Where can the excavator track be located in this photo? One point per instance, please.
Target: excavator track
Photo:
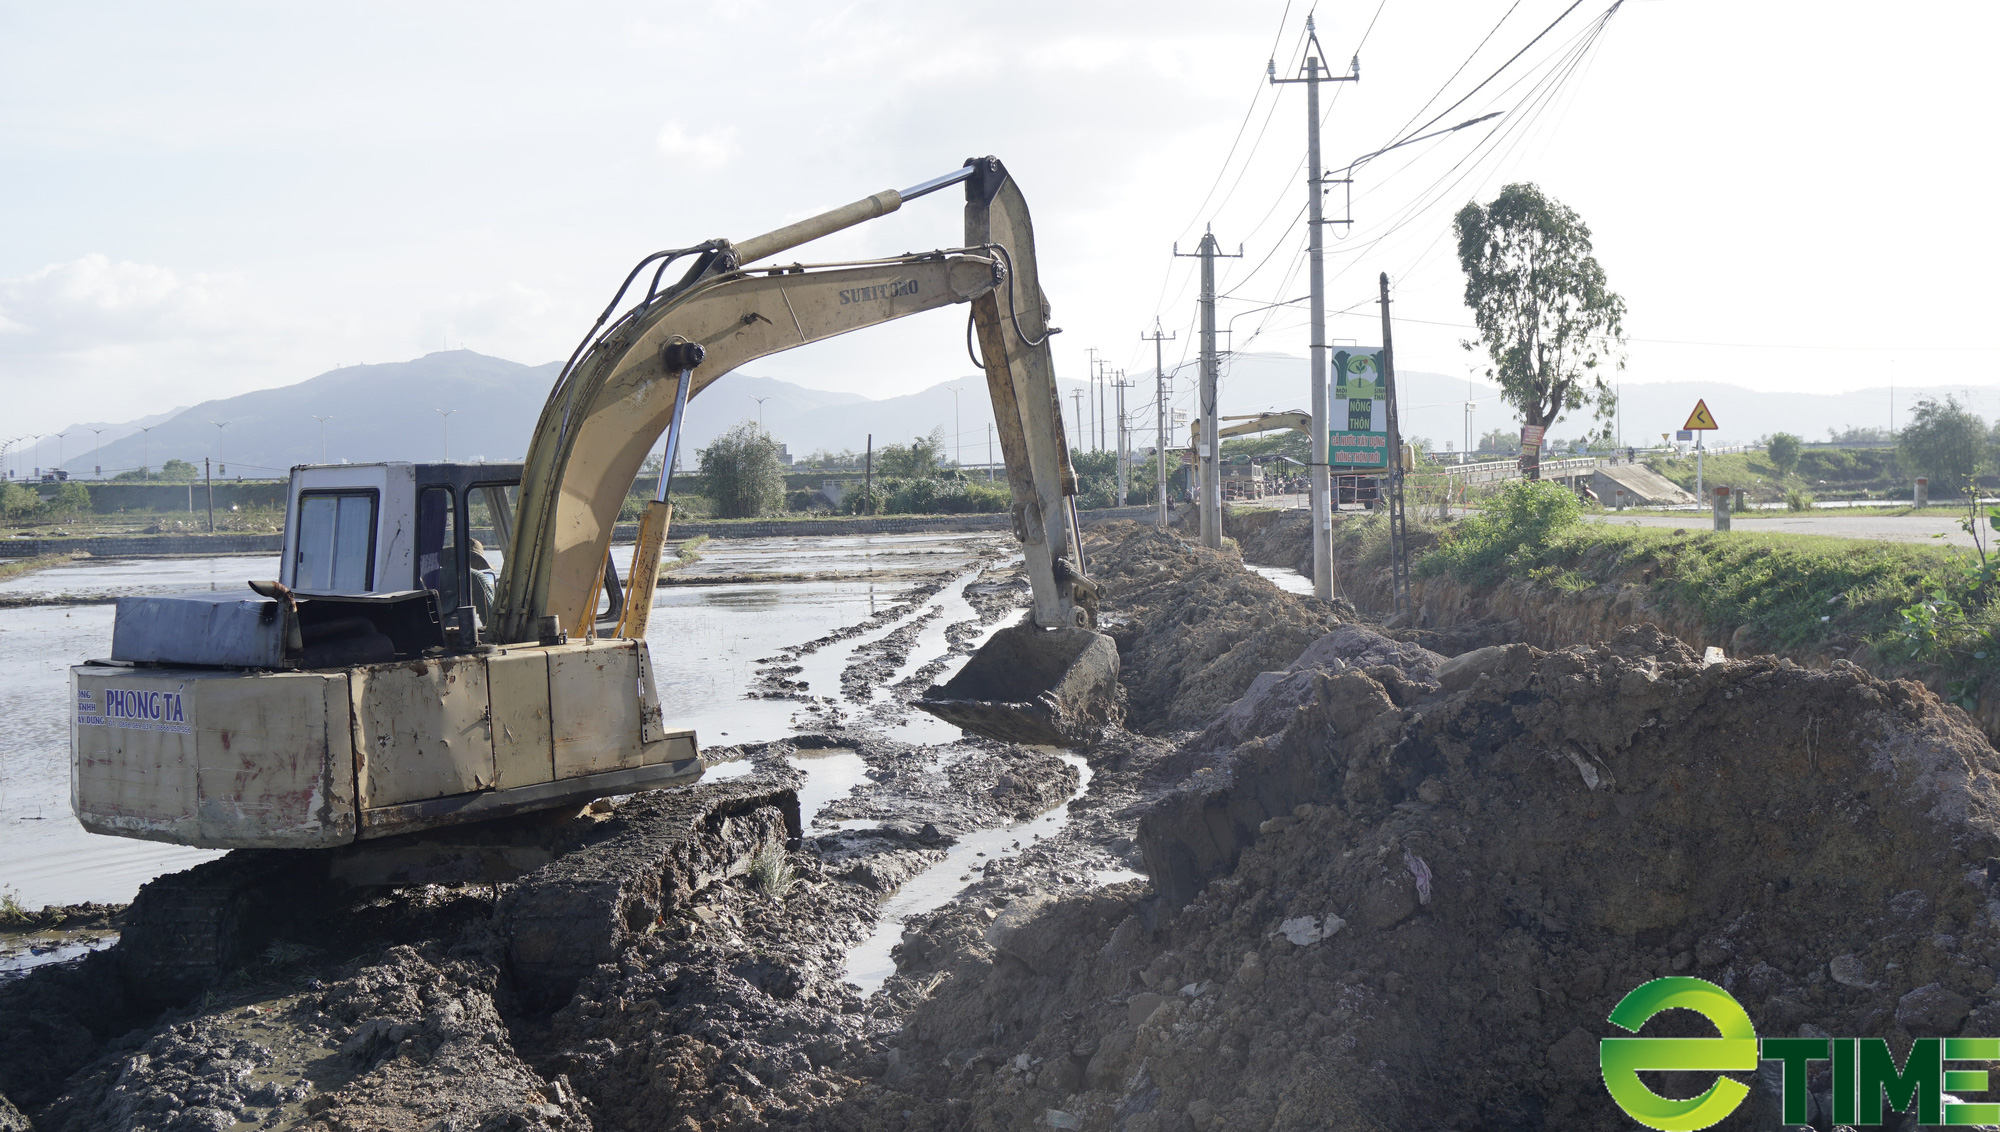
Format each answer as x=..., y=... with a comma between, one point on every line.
x=594, y=882
x=186, y=930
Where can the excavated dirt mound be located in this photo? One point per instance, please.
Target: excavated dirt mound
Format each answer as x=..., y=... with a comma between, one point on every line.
x=1414, y=906
x=1194, y=628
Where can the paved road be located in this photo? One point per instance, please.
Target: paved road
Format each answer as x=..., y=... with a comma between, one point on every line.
x=1887, y=528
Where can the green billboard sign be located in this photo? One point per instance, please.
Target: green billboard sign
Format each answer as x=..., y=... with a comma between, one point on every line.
x=1359, y=440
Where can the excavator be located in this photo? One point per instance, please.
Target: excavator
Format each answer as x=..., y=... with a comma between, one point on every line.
x=396, y=695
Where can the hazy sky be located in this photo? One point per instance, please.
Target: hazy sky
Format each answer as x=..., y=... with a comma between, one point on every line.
x=202, y=199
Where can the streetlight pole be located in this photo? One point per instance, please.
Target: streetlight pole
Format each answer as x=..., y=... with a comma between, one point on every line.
x=59, y=440
x=96, y=442
x=146, y=450
x=957, y=444
x=760, y=409
x=322, y=434
x=221, y=464
x=445, y=415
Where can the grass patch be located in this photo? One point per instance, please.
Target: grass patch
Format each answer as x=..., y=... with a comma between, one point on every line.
x=12, y=915
x=771, y=873
x=687, y=554
x=15, y=567
x=1925, y=610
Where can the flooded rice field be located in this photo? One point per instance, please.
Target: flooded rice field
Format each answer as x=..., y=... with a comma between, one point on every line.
x=831, y=603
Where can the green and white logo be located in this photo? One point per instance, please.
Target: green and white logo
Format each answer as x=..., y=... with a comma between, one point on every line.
x=1865, y=1075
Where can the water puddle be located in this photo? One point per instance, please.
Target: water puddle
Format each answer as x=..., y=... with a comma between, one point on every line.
x=869, y=964
x=1286, y=579
x=21, y=953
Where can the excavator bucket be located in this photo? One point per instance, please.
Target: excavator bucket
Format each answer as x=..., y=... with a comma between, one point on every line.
x=1057, y=687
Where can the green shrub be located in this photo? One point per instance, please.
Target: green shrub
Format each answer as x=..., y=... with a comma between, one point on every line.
x=1523, y=516
x=1799, y=501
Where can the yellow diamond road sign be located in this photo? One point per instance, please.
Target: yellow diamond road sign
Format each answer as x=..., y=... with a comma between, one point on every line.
x=1701, y=418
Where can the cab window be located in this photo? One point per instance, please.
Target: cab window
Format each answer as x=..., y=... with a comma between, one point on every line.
x=336, y=543
x=437, y=557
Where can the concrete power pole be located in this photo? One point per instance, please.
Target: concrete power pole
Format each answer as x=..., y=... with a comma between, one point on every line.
x=1089, y=430
x=1103, y=380
x=1208, y=451
x=1124, y=444
x=1160, y=409
x=1322, y=511
x=1076, y=399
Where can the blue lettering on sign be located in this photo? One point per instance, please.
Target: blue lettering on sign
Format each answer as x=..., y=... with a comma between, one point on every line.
x=142, y=709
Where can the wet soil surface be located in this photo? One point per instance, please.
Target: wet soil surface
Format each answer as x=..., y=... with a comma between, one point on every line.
x=1326, y=878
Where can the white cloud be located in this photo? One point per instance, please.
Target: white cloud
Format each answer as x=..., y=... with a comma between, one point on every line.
x=93, y=303
x=712, y=149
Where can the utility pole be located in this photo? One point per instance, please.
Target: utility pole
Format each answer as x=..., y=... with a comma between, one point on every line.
x=1076, y=399
x=1124, y=444
x=1160, y=409
x=1207, y=450
x=989, y=451
x=868, y=476
x=1103, y=379
x=1091, y=431
x=1322, y=513
x=208, y=478
x=322, y=434
x=1399, y=543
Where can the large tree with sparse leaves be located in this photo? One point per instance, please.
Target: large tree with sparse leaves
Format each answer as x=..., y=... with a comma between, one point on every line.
x=743, y=474
x=1552, y=329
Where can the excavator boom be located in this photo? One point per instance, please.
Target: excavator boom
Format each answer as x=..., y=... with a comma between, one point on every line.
x=614, y=402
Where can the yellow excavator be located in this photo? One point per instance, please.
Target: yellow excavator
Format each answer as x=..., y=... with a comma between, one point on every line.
x=396, y=680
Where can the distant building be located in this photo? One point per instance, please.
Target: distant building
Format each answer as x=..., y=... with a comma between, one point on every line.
x=784, y=454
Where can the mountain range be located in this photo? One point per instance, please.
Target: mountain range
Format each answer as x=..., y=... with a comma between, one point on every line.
x=396, y=411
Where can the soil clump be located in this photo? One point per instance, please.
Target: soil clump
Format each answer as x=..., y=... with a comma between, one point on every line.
x=1193, y=627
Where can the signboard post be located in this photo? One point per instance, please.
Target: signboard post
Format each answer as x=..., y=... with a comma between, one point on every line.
x=1701, y=420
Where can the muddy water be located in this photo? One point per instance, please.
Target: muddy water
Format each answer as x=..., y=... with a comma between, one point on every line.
x=869, y=964
x=1285, y=578
x=705, y=640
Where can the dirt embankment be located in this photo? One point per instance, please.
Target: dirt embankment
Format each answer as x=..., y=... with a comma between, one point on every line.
x=1414, y=905
x=1194, y=628
x=1452, y=616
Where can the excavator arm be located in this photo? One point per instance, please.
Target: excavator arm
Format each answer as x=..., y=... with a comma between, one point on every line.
x=619, y=395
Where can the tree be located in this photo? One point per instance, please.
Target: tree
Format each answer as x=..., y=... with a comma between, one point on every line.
x=1784, y=449
x=1501, y=441
x=17, y=502
x=178, y=471
x=742, y=472
x=1550, y=325
x=921, y=459
x=71, y=499
x=1944, y=441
